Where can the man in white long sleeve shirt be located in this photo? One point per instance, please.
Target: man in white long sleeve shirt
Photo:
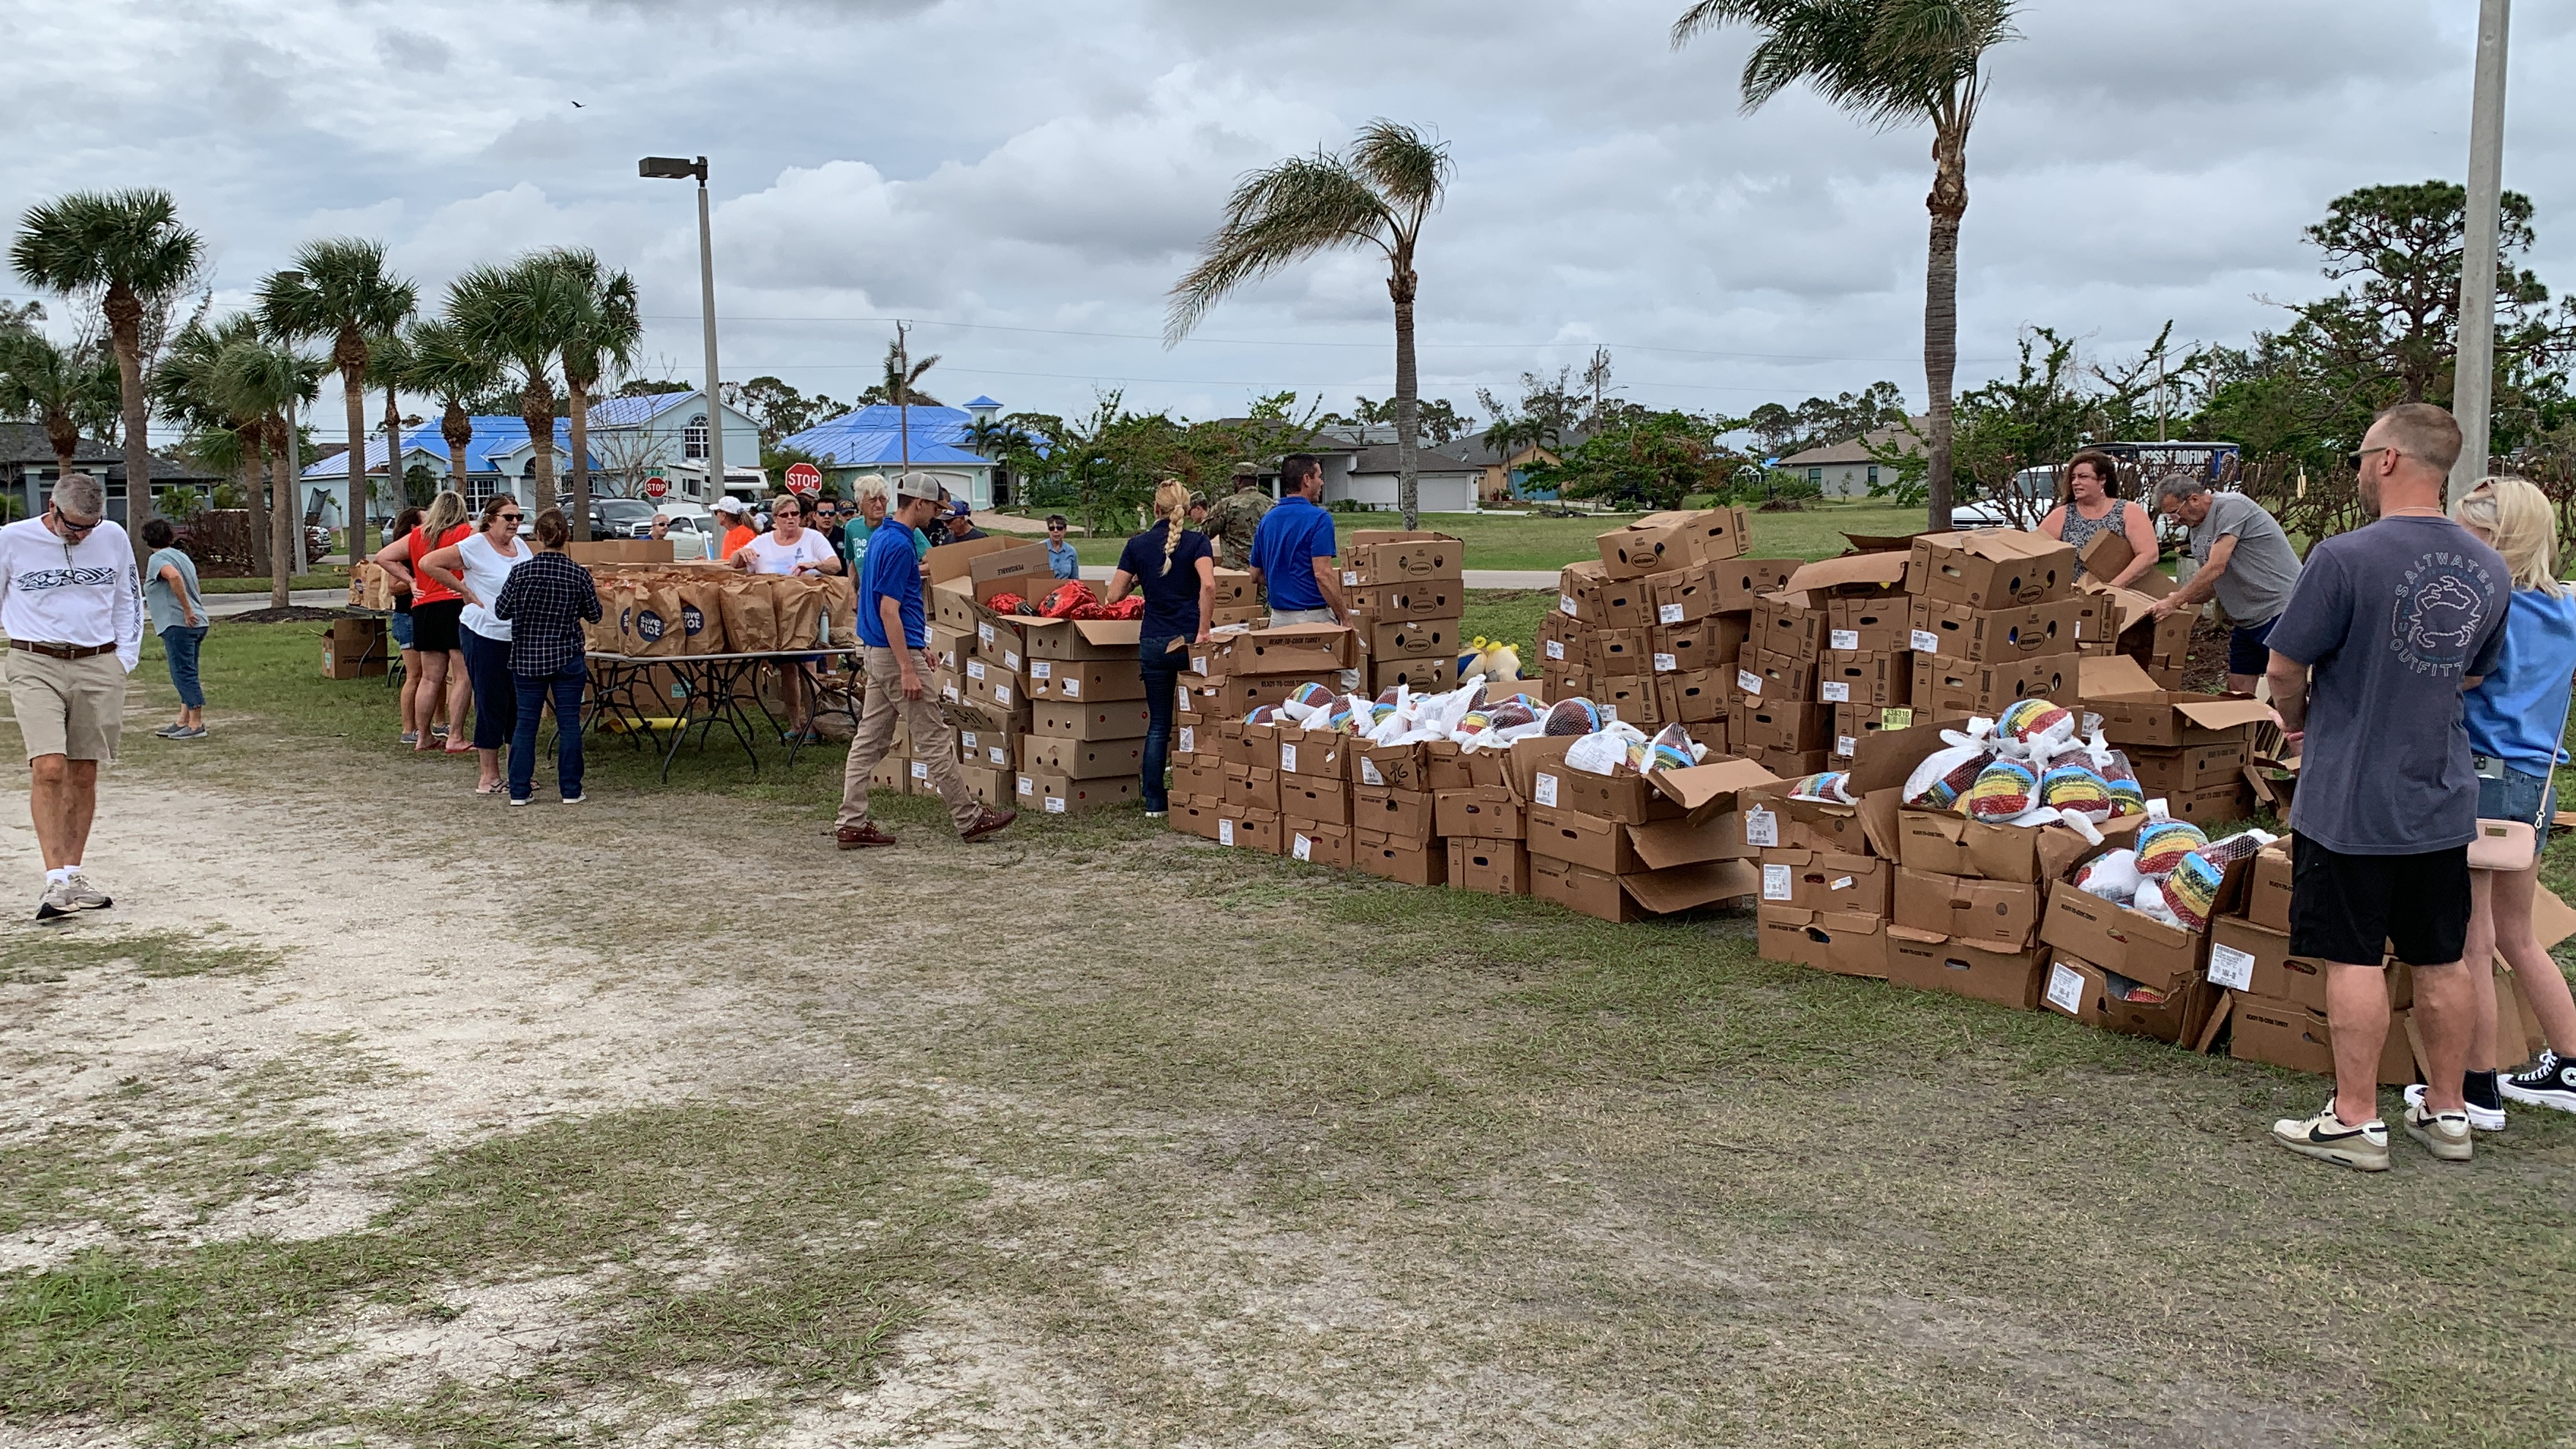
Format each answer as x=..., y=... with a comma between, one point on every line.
x=71, y=603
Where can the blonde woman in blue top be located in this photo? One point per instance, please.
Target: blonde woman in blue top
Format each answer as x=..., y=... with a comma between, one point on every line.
x=2515, y=717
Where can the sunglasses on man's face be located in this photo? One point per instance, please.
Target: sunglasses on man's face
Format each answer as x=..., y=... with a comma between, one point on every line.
x=69, y=523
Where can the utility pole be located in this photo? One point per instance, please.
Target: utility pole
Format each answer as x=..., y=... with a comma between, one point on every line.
x=2473, y=373
x=903, y=391
x=673, y=168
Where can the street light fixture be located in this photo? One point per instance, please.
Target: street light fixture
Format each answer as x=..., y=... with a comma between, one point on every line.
x=674, y=168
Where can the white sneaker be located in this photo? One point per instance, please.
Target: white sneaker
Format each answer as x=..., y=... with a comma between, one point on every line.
x=2444, y=1134
x=2329, y=1138
x=2485, y=1119
x=56, y=902
x=82, y=896
x=574, y=799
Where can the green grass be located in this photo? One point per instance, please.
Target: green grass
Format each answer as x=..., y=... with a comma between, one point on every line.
x=1533, y=541
x=46, y=955
x=334, y=579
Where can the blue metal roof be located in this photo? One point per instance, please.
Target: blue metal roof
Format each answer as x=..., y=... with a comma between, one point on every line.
x=984, y=402
x=624, y=412
x=874, y=436
x=492, y=435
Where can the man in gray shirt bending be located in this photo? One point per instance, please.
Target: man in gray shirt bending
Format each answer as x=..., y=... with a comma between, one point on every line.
x=2389, y=625
x=2246, y=562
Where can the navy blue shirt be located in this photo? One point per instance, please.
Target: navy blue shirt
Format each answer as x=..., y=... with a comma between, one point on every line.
x=1171, y=599
x=1292, y=535
x=893, y=571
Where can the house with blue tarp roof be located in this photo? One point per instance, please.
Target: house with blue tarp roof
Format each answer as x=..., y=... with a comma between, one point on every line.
x=631, y=439
x=874, y=439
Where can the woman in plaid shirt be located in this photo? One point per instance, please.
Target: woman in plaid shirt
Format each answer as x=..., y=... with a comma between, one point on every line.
x=546, y=601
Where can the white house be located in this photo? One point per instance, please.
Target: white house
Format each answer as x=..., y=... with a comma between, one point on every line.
x=1847, y=469
x=666, y=433
x=1442, y=483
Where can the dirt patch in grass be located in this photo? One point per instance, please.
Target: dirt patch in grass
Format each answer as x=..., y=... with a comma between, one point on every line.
x=973, y=1145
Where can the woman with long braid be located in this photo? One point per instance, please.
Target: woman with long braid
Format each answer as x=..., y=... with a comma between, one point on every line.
x=1176, y=571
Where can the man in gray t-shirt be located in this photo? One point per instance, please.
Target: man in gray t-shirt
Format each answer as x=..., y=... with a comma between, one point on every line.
x=2246, y=563
x=2389, y=624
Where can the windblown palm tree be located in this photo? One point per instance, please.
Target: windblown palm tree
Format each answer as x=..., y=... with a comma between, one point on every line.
x=264, y=381
x=388, y=363
x=603, y=339
x=1376, y=195
x=339, y=289
x=447, y=367
x=902, y=382
x=62, y=388
x=184, y=391
x=523, y=315
x=1893, y=63
x=129, y=248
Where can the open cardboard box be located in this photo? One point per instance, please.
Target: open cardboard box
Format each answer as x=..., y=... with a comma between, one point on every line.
x=1944, y=842
x=1663, y=541
x=1929, y=961
x=1991, y=568
x=1636, y=895
x=1316, y=651
x=2107, y=553
x=1394, y=556
x=1835, y=941
x=1878, y=576
x=2003, y=915
x=2128, y=941
x=2135, y=711
x=1824, y=880
x=1880, y=763
x=1077, y=640
x=2289, y=1034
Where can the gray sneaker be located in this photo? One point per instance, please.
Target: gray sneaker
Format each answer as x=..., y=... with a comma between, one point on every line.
x=80, y=895
x=55, y=903
x=192, y=732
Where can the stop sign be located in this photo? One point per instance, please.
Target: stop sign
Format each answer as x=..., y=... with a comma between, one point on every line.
x=657, y=486
x=804, y=478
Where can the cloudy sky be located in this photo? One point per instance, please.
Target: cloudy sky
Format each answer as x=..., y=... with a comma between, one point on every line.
x=1026, y=179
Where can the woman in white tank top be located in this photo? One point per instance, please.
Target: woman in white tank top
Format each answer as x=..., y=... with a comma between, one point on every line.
x=475, y=567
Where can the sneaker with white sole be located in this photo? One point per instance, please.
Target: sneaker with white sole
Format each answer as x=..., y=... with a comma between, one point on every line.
x=2550, y=1082
x=83, y=896
x=517, y=800
x=574, y=799
x=2444, y=1134
x=2485, y=1119
x=2329, y=1138
x=56, y=902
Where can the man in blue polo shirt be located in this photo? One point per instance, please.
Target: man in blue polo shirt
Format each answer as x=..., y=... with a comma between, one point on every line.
x=894, y=628
x=1292, y=551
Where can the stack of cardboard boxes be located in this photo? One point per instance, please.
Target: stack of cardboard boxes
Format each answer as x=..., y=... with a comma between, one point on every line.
x=2160, y=645
x=1624, y=847
x=1405, y=592
x=1651, y=630
x=1238, y=784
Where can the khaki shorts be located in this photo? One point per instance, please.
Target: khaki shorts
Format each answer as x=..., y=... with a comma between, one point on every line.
x=73, y=707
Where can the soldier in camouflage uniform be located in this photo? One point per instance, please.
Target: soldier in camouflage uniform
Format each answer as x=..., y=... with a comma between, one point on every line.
x=1233, y=520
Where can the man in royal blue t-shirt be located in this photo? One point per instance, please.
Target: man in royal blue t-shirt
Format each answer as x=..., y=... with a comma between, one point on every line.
x=1292, y=551
x=894, y=627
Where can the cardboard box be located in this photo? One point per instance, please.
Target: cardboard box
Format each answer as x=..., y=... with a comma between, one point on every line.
x=1422, y=676
x=1230, y=699
x=1788, y=764
x=346, y=657
x=1251, y=830
x=1426, y=599
x=1993, y=636
x=620, y=551
x=1878, y=680
x=1196, y=779
x=1487, y=812
x=1712, y=643
x=1194, y=817
x=2179, y=1015
x=991, y=749
x=989, y=786
x=2125, y=941
x=1869, y=625
x=1940, y=842
x=1696, y=697
x=1306, y=651
x=1741, y=582
x=1631, y=700
x=2072, y=985
x=1540, y=776
x=1067, y=640
x=1617, y=653
x=1317, y=842
x=949, y=647
x=2256, y=959
x=1979, y=969
x=1856, y=722
x=1392, y=556
x=1682, y=596
x=1411, y=860
x=1592, y=841
x=1822, y=880
x=1495, y=867
x=1251, y=744
x=1082, y=759
x=1785, y=627
x=2136, y=712
x=1317, y=754
x=1775, y=679
x=1397, y=814
x=1796, y=727
x=1956, y=686
x=1873, y=576
x=2185, y=768
x=1052, y=792
x=1105, y=720
x=1099, y=679
x=892, y=774
x=2267, y=889
x=1396, y=767
x=2211, y=805
x=987, y=685
x=1311, y=797
x=1996, y=913
x=2289, y=1034
x=1666, y=541
x=1450, y=766
x=1397, y=639
x=1993, y=568
x=1639, y=895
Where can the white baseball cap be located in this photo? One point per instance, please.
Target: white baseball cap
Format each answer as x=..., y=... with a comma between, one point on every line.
x=728, y=504
x=918, y=485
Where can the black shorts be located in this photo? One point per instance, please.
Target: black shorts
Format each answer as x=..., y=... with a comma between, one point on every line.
x=434, y=626
x=2354, y=908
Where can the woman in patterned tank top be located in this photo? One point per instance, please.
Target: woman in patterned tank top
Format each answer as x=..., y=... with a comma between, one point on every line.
x=2093, y=505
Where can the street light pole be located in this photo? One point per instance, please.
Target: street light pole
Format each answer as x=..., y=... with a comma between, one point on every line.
x=2473, y=371
x=673, y=168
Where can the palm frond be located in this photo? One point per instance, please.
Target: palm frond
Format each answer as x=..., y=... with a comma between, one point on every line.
x=1276, y=218
x=1401, y=166
x=92, y=240
x=1891, y=62
x=444, y=365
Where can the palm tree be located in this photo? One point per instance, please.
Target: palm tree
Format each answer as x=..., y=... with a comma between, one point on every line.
x=523, y=315
x=1377, y=195
x=1893, y=63
x=220, y=432
x=59, y=387
x=128, y=247
x=447, y=367
x=263, y=381
x=339, y=289
x=899, y=387
x=605, y=335
x=389, y=361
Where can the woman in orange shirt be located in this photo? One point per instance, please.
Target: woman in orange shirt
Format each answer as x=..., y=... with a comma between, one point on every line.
x=434, y=620
x=738, y=532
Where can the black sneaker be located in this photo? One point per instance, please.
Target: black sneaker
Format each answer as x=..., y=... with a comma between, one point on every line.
x=2549, y=1083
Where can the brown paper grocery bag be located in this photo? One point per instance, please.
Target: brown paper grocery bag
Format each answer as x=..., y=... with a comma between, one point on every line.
x=750, y=614
x=841, y=611
x=654, y=622
x=702, y=629
x=608, y=636
x=800, y=612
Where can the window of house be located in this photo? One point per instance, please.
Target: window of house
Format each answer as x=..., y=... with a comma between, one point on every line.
x=1873, y=475
x=693, y=438
x=1816, y=475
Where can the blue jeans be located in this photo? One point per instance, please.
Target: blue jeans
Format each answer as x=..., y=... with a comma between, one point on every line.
x=1161, y=667
x=180, y=642
x=496, y=695
x=398, y=624
x=532, y=692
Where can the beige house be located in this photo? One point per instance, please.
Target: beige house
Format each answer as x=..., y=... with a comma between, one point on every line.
x=1848, y=469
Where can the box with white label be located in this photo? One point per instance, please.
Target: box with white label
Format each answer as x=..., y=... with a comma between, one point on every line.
x=1052, y=792
x=1787, y=628
x=1865, y=679
x=1826, y=880
x=1872, y=625
x=1995, y=636
x=1707, y=644
x=1094, y=679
